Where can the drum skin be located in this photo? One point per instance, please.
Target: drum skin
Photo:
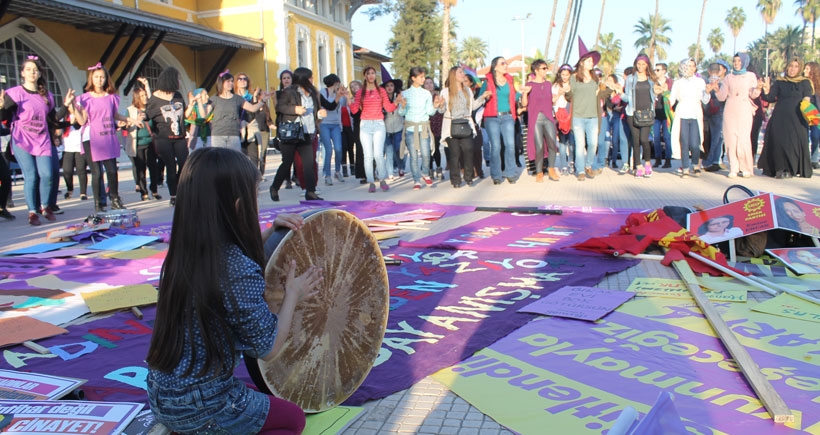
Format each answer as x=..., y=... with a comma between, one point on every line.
x=338, y=330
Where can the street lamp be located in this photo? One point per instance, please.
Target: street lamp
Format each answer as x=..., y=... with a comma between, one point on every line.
x=523, y=63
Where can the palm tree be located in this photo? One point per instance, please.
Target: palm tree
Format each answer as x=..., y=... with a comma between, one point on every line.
x=735, y=18
x=610, y=49
x=809, y=11
x=445, y=36
x=549, y=32
x=768, y=10
x=653, y=36
x=563, y=33
x=600, y=22
x=695, y=52
x=715, y=40
x=473, y=52
x=789, y=42
x=700, y=29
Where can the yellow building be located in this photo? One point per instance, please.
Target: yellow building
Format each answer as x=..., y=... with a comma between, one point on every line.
x=201, y=38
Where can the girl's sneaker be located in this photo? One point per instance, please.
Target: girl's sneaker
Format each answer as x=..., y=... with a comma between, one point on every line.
x=647, y=170
x=372, y=188
x=624, y=169
x=639, y=172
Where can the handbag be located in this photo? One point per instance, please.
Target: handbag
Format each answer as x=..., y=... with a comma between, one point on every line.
x=291, y=132
x=643, y=117
x=460, y=128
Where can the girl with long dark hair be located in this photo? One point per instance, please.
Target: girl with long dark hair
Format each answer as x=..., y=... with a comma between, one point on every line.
x=213, y=307
x=639, y=94
x=499, y=120
x=166, y=109
x=538, y=99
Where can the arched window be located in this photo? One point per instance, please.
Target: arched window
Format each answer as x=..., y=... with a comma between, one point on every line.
x=13, y=53
x=151, y=71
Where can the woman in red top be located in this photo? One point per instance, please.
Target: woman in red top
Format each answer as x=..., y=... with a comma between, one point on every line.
x=370, y=101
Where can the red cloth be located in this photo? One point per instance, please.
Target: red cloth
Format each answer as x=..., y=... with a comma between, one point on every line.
x=643, y=230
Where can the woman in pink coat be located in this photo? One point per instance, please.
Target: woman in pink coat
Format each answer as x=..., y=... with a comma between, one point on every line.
x=738, y=90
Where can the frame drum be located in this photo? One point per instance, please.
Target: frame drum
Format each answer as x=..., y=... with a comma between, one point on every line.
x=338, y=330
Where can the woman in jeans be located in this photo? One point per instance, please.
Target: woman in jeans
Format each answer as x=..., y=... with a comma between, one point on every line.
x=394, y=126
x=538, y=99
x=299, y=102
x=583, y=95
x=499, y=120
x=166, y=109
x=28, y=107
x=332, y=99
x=371, y=101
x=417, y=106
x=689, y=92
x=227, y=110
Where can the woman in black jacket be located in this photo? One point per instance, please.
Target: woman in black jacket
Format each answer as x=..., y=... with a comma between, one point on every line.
x=299, y=102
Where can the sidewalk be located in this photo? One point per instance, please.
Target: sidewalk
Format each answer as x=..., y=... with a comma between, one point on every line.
x=428, y=407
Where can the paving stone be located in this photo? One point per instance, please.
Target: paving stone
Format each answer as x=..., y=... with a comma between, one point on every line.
x=471, y=423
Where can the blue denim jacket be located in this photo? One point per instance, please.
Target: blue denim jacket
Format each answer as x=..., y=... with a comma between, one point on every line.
x=629, y=93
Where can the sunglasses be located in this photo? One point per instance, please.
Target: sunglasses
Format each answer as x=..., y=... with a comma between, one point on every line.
x=543, y=68
x=244, y=79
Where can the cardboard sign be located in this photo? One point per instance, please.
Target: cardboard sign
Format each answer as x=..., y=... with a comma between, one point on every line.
x=16, y=385
x=23, y=328
x=120, y=297
x=585, y=303
x=733, y=220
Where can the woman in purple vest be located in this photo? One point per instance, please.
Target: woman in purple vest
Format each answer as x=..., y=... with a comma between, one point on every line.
x=98, y=114
x=538, y=99
x=31, y=109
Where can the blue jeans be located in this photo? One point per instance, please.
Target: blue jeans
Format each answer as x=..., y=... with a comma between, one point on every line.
x=217, y=406
x=232, y=142
x=660, y=127
x=586, y=142
x=423, y=149
x=371, y=134
x=331, y=136
x=814, y=134
x=37, y=172
x=604, y=142
x=716, y=149
x=497, y=127
x=689, y=142
x=392, y=146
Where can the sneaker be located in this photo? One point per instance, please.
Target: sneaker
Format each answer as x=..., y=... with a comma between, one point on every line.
x=815, y=165
x=647, y=170
x=590, y=173
x=439, y=174
x=48, y=214
x=56, y=210
x=417, y=186
x=639, y=172
x=683, y=172
x=427, y=181
x=83, y=197
x=372, y=188
x=697, y=172
x=746, y=175
x=679, y=171
x=383, y=185
x=564, y=171
x=328, y=181
x=6, y=215
x=339, y=177
x=732, y=175
x=33, y=219
x=624, y=169
x=712, y=168
x=581, y=177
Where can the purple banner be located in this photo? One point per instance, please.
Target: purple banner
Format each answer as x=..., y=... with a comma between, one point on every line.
x=360, y=209
x=111, y=271
x=633, y=357
x=521, y=232
x=445, y=305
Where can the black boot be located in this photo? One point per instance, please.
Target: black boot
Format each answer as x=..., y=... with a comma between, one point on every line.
x=274, y=194
x=667, y=164
x=99, y=208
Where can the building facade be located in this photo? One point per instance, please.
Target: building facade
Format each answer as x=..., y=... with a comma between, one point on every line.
x=201, y=38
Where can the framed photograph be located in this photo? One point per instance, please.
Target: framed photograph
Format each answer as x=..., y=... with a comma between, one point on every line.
x=800, y=260
x=733, y=220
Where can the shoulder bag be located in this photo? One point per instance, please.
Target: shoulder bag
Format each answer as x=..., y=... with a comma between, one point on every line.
x=460, y=128
x=291, y=132
x=643, y=117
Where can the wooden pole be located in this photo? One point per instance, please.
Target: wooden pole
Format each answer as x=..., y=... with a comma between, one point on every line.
x=532, y=210
x=765, y=392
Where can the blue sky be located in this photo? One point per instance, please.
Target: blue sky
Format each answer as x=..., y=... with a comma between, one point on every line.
x=492, y=20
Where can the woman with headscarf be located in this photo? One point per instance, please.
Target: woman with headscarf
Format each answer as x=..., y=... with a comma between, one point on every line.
x=812, y=71
x=739, y=89
x=689, y=92
x=785, y=150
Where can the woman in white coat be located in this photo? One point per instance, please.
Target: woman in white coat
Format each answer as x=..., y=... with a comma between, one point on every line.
x=689, y=92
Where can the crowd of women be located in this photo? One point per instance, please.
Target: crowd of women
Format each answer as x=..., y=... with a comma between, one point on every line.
x=577, y=123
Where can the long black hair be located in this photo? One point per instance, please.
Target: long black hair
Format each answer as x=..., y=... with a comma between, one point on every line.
x=168, y=80
x=215, y=207
x=42, y=90
x=492, y=69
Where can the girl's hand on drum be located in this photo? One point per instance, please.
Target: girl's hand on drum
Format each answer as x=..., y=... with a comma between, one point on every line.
x=289, y=220
x=304, y=284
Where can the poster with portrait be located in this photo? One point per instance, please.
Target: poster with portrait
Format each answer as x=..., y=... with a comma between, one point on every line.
x=798, y=216
x=733, y=220
x=800, y=260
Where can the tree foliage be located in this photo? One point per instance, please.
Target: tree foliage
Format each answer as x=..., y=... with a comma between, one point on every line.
x=715, y=40
x=610, y=49
x=655, y=29
x=473, y=52
x=416, y=39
